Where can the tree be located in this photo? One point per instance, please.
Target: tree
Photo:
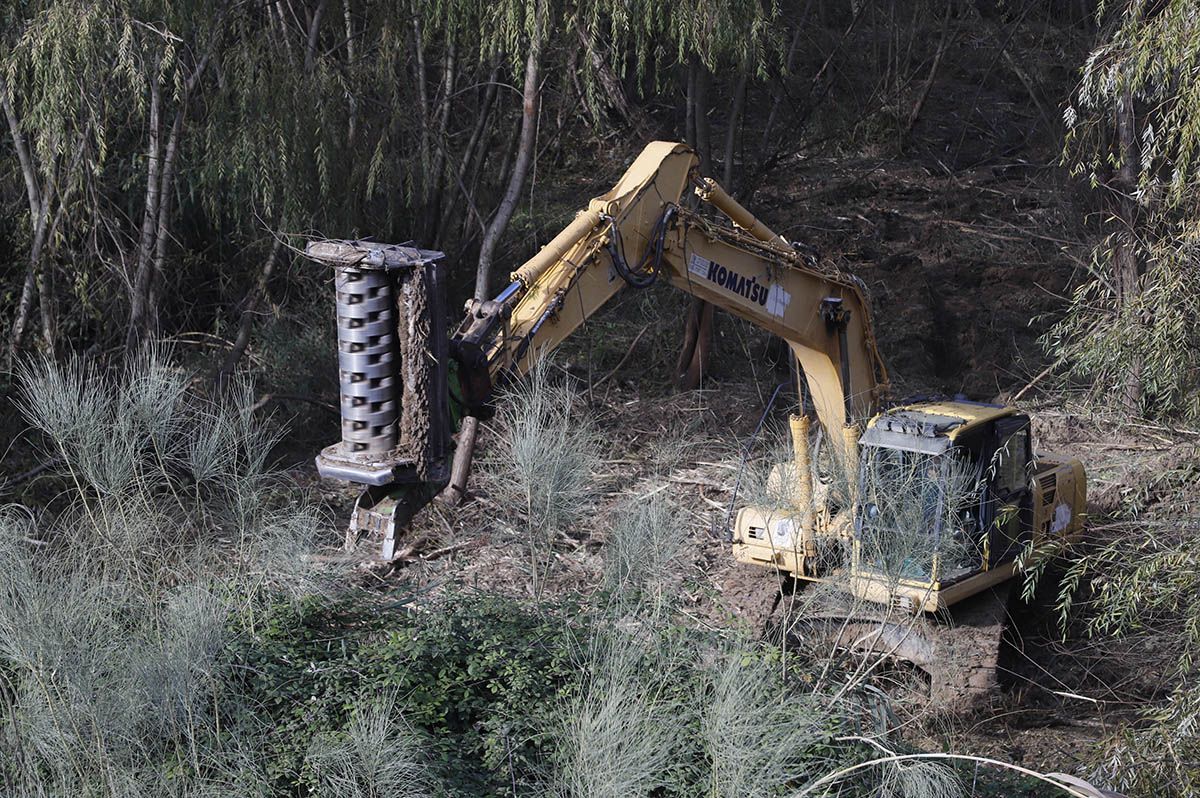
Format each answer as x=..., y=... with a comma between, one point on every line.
x=1133, y=327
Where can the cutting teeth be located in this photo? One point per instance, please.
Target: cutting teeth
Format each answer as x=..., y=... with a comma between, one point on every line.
x=366, y=327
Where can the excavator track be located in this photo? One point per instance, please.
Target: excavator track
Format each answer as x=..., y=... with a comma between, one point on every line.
x=958, y=652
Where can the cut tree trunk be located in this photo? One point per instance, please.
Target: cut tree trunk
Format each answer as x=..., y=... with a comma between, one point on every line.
x=697, y=343
x=703, y=143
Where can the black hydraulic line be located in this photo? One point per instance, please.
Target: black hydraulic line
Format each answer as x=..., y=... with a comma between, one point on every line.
x=847, y=393
x=639, y=276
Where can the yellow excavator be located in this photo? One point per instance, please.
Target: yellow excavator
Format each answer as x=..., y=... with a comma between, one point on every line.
x=919, y=508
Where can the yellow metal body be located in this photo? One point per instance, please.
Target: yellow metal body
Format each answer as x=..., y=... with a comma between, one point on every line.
x=1057, y=484
x=746, y=269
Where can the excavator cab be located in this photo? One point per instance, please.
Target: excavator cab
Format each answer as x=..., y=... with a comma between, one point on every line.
x=944, y=493
x=940, y=500
x=943, y=499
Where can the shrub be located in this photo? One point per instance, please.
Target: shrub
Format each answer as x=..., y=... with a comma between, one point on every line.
x=642, y=553
x=116, y=611
x=541, y=463
x=377, y=756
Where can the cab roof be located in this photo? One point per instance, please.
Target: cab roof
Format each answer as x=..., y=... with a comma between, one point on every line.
x=930, y=426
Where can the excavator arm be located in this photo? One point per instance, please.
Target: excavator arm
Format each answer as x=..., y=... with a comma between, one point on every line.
x=641, y=231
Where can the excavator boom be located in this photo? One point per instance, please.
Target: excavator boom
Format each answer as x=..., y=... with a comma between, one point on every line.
x=733, y=261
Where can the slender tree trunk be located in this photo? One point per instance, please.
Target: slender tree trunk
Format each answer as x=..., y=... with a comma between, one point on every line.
x=943, y=42
x=138, y=322
x=1126, y=261
x=436, y=182
x=351, y=99
x=249, y=308
x=461, y=190
x=697, y=343
x=423, y=113
x=21, y=321
x=689, y=103
x=156, y=215
x=162, y=231
x=697, y=330
x=521, y=166
x=700, y=114
x=778, y=90
x=314, y=35
x=28, y=173
x=614, y=92
x=37, y=224
x=47, y=304
x=731, y=132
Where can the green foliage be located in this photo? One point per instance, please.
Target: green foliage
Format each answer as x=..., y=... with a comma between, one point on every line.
x=1141, y=582
x=211, y=127
x=480, y=677
x=1155, y=333
x=1146, y=52
x=1147, y=332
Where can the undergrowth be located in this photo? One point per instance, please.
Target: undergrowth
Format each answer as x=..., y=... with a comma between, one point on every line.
x=163, y=633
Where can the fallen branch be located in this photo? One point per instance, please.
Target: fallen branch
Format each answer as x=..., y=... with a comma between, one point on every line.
x=442, y=552
x=893, y=758
x=1041, y=376
x=267, y=398
x=25, y=476
x=621, y=362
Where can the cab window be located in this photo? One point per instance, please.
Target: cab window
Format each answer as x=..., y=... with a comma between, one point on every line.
x=1011, y=460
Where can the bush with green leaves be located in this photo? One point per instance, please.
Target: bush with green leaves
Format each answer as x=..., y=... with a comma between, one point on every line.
x=479, y=677
x=1140, y=583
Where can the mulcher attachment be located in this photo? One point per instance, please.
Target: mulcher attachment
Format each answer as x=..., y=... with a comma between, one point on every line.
x=392, y=370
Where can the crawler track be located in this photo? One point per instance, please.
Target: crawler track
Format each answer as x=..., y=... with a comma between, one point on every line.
x=959, y=652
